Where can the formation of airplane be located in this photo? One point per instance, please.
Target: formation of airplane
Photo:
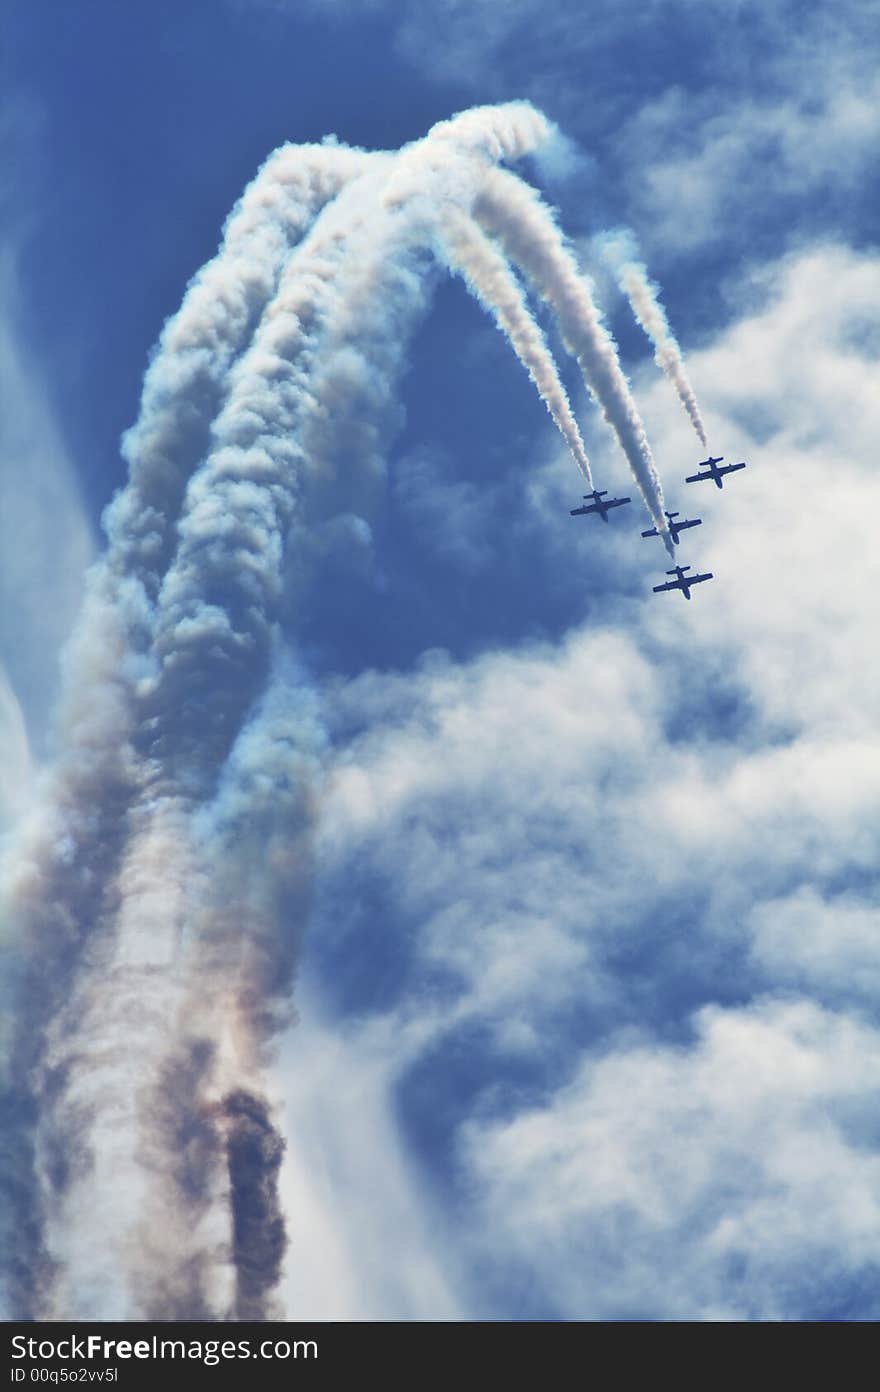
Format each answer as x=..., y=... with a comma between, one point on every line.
x=598, y=504
x=683, y=582
x=675, y=528
x=598, y=501
x=713, y=472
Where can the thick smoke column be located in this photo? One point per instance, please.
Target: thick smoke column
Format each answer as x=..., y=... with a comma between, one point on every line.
x=60, y=877
x=259, y=1240
x=159, y=897
x=186, y=381
x=621, y=252
x=524, y=225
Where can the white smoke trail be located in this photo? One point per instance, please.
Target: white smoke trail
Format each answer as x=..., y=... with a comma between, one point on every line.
x=524, y=225
x=211, y=638
x=182, y=392
x=489, y=277
x=185, y=381
x=171, y=878
x=329, y=349
x=620, y=250
x=506, y=132
x=342, y=310
x=58, y=877
x=435, y=171
x=183, y=389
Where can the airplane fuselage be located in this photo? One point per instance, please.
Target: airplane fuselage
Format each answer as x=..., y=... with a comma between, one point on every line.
x=683, y=582
x=598, y=504
x=714, y=473
x=675, y=528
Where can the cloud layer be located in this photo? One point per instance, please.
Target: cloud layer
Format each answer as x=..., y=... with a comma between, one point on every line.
x=626, y=883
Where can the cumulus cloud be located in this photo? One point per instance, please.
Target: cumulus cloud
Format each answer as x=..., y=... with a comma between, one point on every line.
x=733, y=1178
x=627, y=881
x=821, y=944
x=794, y=389
x=698, y=160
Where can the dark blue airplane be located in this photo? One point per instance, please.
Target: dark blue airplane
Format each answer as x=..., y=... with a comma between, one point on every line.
x=683, y=582
x=597, y=505
x=713, y=472
x=675, y=528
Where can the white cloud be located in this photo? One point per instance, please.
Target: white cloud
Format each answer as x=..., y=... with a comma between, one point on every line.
x=821, y=944
x=15, y=761
x=793, y=546
x=711, y=1181
x=363, y=1244
x=573, y=831
x=46, y=541
x=698, y=161
x=714, y=109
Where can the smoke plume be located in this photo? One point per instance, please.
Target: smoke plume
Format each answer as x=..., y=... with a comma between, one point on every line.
x=621, y=252
x=156, y=898
x=524, y=225
x=489, y=277
x=259, y=1240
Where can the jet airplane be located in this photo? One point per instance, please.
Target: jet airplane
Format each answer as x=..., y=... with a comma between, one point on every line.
x=683, y=582
x=713, y=472
x=599, y=504
x=675, y=528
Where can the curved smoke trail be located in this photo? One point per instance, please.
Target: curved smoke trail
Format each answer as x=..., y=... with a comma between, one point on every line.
x=621, y=252
x=59, y=881
x=490, y=279
x=161, y=895
x=525, y=227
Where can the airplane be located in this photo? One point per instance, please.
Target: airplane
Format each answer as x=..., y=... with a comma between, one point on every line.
x=683, y=582
x=597, y=505
x=712, y=470
x=675, y=528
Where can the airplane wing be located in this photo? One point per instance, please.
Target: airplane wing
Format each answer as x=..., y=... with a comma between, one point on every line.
x=692, y=522
x=671, y=585
x=698, y=578
x=617, y=502
x=652, y=532
x=731, y=468
x=578, y=512
x=696, y=478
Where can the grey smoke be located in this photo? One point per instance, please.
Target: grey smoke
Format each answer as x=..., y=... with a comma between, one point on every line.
x=158, y=895
x=259, y=1240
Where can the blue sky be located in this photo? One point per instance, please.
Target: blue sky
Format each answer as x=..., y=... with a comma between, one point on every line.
x=588, y=998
